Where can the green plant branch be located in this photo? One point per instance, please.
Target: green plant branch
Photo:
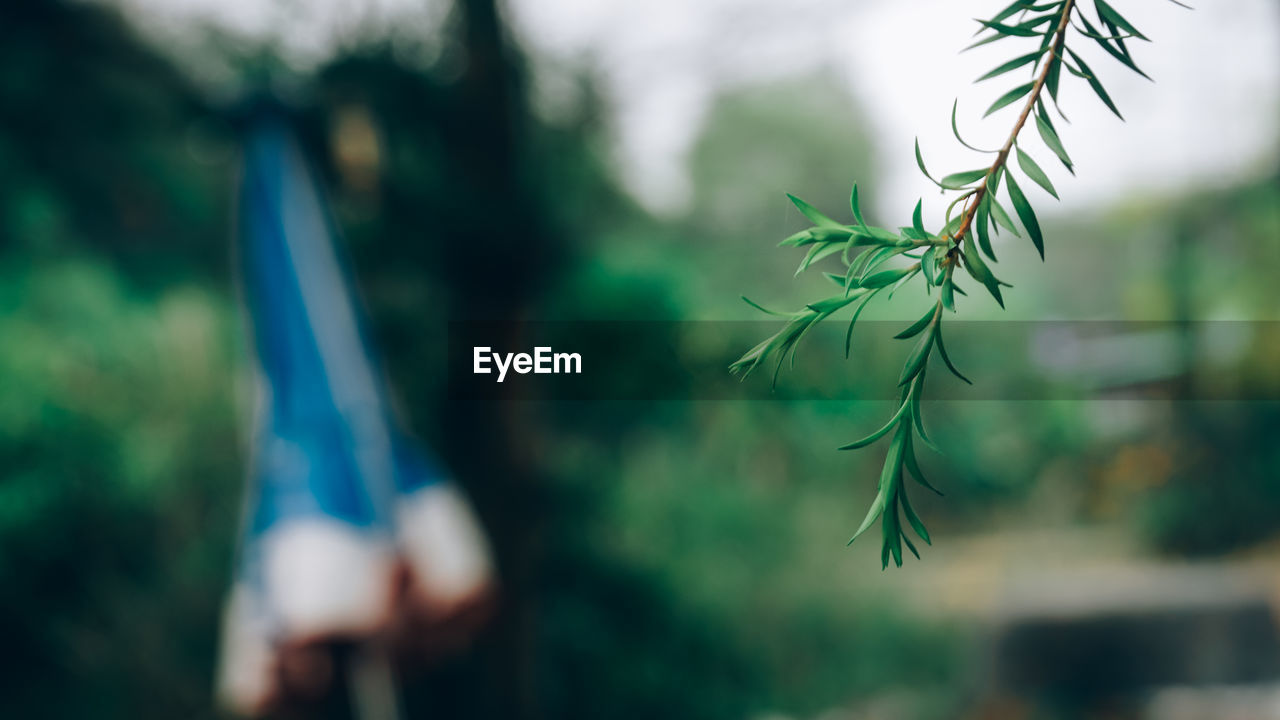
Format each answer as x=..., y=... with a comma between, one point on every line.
x=867, y=251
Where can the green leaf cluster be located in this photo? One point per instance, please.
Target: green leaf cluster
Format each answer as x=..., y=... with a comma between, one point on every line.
x=872, y=257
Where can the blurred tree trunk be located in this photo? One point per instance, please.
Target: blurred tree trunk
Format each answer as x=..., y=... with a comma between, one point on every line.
x=488, y=443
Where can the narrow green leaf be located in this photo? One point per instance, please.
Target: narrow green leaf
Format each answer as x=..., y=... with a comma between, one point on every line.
x=804, y=237
x=917, y=221
x=848, y=335
x=1119, y=41
x=929, y=264
x=948, y=297
x=1048, y=35
x=815, y=217
x=877, y=507
x=1109, y=14
x=904, y=279
x=993, y=181
x=942, y=350
x=1026, y=215
x=912, y=464
x=817, y=253
x=1013, y=8
x=891, y=472
x=1077, y=72
x=920, y=163
x=1010, y=30
x=884, y=430
x=879, y=256
x=753, y=304
x=853, y=204
x=1045, y=40
x=1050, y=137
x=979, y=270
x=830, y=305
x=1013, y=64
x=958, y=181
x=976, y=268
x=1001, y=217
x=911, y=546
x=1095, y=84
x=917, y=417
x=916, y=360
x=777, y=368
x=823, y=309
x=955, y=130
x=1094, y=34
x=983, y=41
x=884, y=278
x=1119, y=51
x=953, y=226
x=1034, y=172
x=892, y=525
x=982, y=219
x=1009, y=98
x=852, y=272
x=1123, y=50
x=917, y=326
x=912, y=518
x=1052, y=75
x=817, y=235
x=911, y=235
x=948, y=230
x=751, y=358
x=885, y=236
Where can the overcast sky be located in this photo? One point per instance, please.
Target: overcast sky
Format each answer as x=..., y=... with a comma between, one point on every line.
x=1212, y=115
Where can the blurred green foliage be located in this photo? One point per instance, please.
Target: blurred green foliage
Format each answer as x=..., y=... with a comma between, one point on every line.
x=667, y=559
x=117, y=440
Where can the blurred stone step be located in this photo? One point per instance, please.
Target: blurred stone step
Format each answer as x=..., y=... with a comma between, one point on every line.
x=1115, y=630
